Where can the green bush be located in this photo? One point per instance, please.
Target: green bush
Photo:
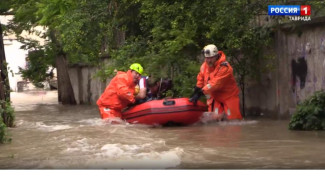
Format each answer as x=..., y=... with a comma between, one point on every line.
x=7, y=113
x=310, y=115
x=6, y=120
x=3, y=133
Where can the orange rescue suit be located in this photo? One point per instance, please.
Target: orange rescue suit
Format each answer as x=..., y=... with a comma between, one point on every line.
x=219, y=83
x=117, y=95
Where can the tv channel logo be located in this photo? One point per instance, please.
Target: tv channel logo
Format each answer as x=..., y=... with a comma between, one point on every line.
x=291, y=10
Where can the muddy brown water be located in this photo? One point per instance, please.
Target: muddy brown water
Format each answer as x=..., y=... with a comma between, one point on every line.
x=52, y=136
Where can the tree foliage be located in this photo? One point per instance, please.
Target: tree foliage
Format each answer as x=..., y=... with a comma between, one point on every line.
x=174, y=32
x=165, y=36
x=37, y=67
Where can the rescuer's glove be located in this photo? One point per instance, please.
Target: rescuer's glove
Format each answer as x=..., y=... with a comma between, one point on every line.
x=196, y=95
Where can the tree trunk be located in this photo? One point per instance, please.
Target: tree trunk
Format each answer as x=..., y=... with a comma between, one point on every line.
x=2, y=60
x=4, y=81
x=65, y=90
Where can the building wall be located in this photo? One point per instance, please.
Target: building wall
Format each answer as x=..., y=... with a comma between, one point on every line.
x=15, y=56
x=300, y=65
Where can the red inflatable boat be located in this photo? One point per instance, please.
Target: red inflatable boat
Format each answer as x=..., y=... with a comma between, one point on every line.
x=178, y=111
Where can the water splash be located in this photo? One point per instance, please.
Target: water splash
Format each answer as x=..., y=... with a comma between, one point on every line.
x=138, y=156
x=91, y=122
x=154, y=154
x=211, y=117
x=51, y=128
x=237, y=123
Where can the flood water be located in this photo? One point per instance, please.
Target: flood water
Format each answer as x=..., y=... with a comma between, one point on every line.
x=52, y=136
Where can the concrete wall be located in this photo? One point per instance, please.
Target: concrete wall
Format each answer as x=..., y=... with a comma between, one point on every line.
x=300, y=65
x=86, y=87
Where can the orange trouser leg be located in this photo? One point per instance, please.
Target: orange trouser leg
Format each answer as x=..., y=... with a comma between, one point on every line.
x=216, y=109
x=109, y=113
x=214, y=106
x=232, y=108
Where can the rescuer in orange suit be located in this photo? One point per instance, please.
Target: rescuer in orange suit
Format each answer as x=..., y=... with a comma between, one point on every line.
x=120, y=92
x=217, y=82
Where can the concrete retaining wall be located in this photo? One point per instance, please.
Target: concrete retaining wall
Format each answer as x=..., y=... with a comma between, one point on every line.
x=86, y=87
x=300, y=65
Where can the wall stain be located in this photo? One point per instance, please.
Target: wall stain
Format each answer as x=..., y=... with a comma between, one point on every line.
x=322, y=45
x=299, y=69
x=308, y=48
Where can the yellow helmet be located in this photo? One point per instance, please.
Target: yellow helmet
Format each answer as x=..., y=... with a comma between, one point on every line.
x=137, y=67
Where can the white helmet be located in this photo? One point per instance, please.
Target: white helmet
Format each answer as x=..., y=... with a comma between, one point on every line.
x=210, y=50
